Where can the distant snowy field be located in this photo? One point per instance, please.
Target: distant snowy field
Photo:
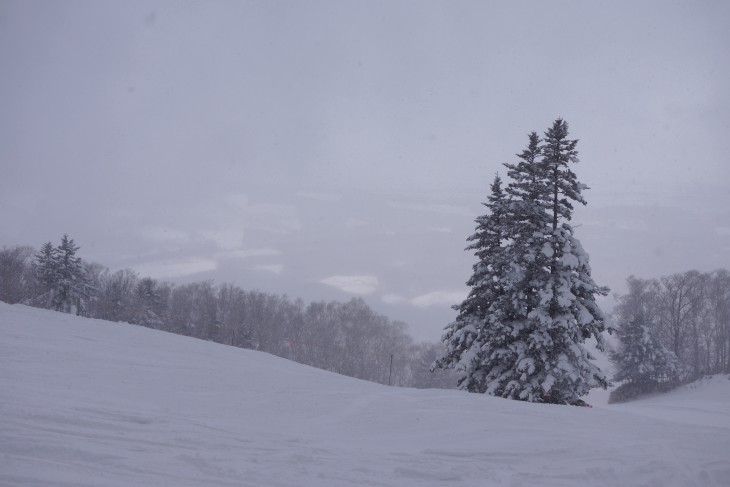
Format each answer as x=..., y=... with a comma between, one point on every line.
x=91, y=403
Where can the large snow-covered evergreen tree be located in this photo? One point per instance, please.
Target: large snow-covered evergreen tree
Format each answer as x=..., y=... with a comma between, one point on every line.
x=528, y=344
x=568, y=310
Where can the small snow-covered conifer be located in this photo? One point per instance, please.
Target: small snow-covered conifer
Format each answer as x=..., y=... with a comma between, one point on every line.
x=72, y=285
x=46, y=269
x=640, y=358
x=149, y=303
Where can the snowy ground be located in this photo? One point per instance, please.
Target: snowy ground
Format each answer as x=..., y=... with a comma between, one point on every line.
x=92, y=403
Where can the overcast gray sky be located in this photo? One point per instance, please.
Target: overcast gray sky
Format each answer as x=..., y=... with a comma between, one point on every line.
x=330, y=149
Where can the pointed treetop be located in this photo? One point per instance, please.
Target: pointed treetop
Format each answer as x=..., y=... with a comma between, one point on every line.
x=558, y=149
x=68, y=243
x=533, y=147
x=496, y=187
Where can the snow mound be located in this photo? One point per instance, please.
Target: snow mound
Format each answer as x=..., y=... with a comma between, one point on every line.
x=92, y=403
x=704, y=402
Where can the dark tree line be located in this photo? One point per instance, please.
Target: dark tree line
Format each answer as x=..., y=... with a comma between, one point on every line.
x=347, y=338
x=679, y=324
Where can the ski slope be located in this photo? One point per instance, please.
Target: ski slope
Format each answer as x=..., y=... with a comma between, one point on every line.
x=92, y=403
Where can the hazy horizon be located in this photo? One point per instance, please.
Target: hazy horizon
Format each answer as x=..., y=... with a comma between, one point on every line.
x=337, y=149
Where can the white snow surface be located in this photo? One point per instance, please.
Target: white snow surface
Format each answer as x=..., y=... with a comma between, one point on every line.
x=92, y=403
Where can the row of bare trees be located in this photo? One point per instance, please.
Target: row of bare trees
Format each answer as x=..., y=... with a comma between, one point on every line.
x=689, y=313
x=347, y=338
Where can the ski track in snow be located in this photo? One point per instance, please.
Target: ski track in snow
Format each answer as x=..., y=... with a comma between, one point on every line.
x=92, y=403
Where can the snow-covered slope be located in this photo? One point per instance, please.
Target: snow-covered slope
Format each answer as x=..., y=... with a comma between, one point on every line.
x=91, y=403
